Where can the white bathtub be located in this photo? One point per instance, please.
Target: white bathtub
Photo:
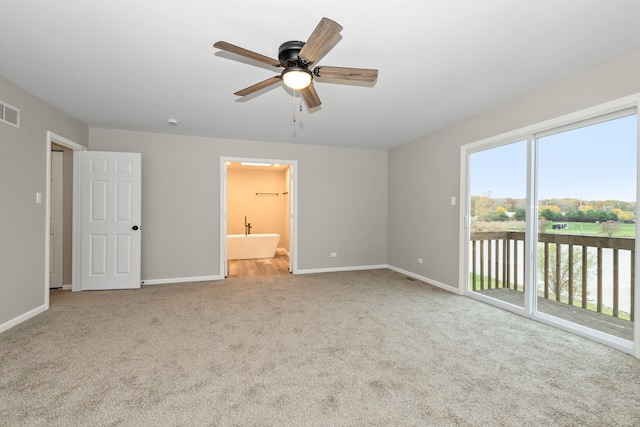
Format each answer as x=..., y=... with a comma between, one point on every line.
x=240, y=246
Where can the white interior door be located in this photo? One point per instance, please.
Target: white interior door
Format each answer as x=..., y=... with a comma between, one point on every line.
x=55, y=240
x=110, y=224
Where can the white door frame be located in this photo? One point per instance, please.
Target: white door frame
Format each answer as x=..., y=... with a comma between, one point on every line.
x=53, y=138
x=293, y=209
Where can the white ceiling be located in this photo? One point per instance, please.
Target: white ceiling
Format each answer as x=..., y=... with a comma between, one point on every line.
x=133, y=64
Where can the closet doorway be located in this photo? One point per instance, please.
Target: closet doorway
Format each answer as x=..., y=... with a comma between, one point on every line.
x=60, y=260
x=258, y=217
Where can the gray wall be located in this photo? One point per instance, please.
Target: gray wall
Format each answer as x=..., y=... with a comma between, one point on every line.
x=424, y=174
x=22, y=221
x=342, y=200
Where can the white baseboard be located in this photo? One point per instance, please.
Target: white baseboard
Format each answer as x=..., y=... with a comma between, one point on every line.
x=335, y=269
x=435, y=283
x=66, y=287
x=390, y=267
x=26, y=316
x=181, y=280
x=311, y=271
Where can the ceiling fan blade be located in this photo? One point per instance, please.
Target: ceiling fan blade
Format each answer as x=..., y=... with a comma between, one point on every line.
x=246, y=53
x=256, y=87
x=311, y=97
x=319, y=40
x=344, y=73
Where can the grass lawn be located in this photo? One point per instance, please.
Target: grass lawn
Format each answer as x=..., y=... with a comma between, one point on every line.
x=589, y=228
x=584, y=228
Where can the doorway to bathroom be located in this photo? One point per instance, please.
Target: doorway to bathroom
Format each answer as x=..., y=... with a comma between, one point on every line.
x=258, y=217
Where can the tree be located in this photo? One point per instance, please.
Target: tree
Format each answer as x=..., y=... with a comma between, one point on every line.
x=575, y=216
x=550, y=215
x=624, y=215
x=568, y=204
x=563, y=285
x=520, y=215
x=481, y=205
x=542, y=225
x=610, y=227
x=499, y=214
x=596, y=215
x=515, y=204
x=553, y=208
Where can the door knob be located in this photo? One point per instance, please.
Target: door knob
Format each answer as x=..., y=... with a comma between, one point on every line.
x=135, y=227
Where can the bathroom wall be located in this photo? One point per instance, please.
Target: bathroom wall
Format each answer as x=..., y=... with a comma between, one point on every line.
x=266, y=211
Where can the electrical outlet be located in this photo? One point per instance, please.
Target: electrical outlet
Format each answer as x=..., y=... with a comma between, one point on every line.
x=333, y=254
x=420, y=261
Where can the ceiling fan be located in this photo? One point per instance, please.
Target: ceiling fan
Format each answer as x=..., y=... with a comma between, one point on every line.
x=296, y=57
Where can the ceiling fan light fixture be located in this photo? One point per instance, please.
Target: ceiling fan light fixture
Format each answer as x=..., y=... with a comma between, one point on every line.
x=296, y=77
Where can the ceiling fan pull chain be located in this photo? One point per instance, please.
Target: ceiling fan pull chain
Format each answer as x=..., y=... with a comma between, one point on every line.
x=294, y=106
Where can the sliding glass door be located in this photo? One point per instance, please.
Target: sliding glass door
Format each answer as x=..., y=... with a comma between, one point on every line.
x=498, y=189
x=586, y=228
x=550, y=224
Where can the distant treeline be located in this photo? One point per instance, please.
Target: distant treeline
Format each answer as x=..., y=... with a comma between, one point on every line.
x=486, y=208
x=598, y=215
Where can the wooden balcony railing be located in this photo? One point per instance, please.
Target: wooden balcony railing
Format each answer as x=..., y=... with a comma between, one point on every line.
x=497, y=256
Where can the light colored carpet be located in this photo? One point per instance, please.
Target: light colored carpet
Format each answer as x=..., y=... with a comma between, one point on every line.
x=349, y=348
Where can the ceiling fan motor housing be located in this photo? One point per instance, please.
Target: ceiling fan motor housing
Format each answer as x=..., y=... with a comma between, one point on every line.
x=288, y=54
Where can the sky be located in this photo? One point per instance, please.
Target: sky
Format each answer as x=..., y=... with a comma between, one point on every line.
x=596, y=162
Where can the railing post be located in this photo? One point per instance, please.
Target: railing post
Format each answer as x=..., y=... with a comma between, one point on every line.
x=505, y=279
x=633, y=282
x=488, y=264
x=507, y=262
x=558, y=270
x=524, y=269
x=498, y=264
x=599, y=280
x=584, y=276
x=482, y=265
x=615, y=283
x=526, y=265
x=474, y=245
x=546, y=270
x=515, y=264
x=570, y=294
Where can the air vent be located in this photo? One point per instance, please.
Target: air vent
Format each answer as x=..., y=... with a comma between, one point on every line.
x=9, y=115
